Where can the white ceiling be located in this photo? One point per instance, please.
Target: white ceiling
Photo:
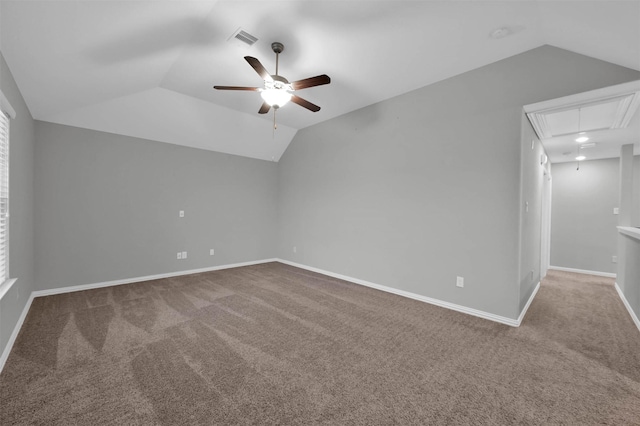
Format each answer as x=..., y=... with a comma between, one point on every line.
x=146, y=68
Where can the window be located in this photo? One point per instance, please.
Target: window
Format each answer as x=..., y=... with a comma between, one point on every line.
x=4, y=197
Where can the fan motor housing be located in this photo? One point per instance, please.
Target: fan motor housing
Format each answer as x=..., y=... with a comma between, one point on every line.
x=277, y=47
x=280, y=79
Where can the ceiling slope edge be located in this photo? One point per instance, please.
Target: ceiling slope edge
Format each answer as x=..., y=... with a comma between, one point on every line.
x=163, y=115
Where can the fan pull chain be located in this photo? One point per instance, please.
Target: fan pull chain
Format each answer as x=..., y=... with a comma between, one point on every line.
x=275, y=126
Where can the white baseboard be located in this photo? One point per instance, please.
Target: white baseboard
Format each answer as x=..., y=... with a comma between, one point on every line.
x=634, y=317
x=14, y=334
x=70, y=289
x=459, y=308
x=526, y=307
x=584, y=271
x=61, y=290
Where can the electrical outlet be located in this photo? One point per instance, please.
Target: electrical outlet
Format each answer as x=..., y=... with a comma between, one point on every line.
x=295, y=249
x=184, y=254
x=616, y=210
x=179, y=255
x=531, y=275
x=181, y=213
x=614, y=259
x=459, y=281
x=211, y=252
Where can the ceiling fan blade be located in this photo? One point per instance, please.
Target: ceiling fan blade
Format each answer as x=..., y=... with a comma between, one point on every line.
x=318, y=80
x=264, y=108
x=259, y=68
x=252, y=89
x=304, y=103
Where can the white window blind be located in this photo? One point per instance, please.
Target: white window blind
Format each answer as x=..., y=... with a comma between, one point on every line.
x=4, y=197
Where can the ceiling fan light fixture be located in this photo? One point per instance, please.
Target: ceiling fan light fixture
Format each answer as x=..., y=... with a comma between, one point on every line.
x=276, y=97
x=277, y=90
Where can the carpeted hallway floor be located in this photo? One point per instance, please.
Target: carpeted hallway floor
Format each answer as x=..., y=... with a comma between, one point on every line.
x=273, y=344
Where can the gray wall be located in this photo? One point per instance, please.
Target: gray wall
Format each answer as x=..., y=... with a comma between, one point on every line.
x=21, y=228
x=628, y=277
x=583, y=226
x=635, y=208
x=415, y=190
x=107, y=207
x=532, y=180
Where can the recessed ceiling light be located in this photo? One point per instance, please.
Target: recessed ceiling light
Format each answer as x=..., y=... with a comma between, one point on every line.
x=580, y=157
x=587, y=145
x=582, y=139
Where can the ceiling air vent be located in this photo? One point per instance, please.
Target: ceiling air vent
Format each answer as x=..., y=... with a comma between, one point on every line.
x=243, y=36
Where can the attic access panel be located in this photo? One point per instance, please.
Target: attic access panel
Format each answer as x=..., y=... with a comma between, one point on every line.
x=609, y=108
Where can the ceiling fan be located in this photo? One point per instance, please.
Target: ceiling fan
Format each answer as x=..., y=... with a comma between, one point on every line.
x=277, y=89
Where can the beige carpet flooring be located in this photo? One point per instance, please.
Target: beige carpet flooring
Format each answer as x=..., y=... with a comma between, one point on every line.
x=273, y=344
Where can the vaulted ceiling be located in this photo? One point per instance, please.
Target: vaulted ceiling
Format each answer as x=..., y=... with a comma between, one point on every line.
x=146, y=68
